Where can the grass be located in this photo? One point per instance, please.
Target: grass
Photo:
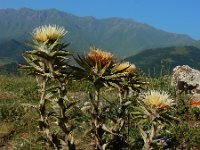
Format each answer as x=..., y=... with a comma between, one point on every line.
x=18, y=124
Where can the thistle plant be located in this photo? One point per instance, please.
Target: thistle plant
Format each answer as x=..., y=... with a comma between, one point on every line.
x=153, y=114
x=128, y=89
x=48, y=62
x=94, y=67
x=108, y=123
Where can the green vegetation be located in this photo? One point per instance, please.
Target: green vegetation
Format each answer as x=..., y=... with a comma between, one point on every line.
x=18, y=125
x=10, y=56
x=153, y=61
x=10, y=68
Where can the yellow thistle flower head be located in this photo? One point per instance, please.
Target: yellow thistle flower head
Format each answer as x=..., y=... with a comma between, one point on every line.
x=99, y=57
x=127, y=67
x=48, y=33
x=158, y=100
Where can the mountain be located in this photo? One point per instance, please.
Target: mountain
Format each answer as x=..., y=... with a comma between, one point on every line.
x=12, y=49
x=123, y=37
x=10, y=55
x=152, y=60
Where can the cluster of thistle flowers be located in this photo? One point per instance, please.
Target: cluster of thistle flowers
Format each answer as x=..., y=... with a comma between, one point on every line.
x=101, y=58
x=97, y=66
x=101, y=68
x=155, y=104
x=52, y=33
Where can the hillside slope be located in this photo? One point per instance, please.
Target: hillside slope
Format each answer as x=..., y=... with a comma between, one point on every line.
x=151, y=61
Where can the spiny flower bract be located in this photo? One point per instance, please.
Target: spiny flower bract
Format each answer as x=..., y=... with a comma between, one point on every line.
x=126, y=67
x=158, y=100
x=98, y=57
x=48, y=33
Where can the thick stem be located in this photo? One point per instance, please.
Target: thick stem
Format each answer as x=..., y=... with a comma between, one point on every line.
x=147, y=146
x=97, y=126
x=44, y=125
x=42, y=101
x=153, y=132
x=63, y=118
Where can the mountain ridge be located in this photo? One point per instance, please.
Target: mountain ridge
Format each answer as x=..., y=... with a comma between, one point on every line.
x=124, y=37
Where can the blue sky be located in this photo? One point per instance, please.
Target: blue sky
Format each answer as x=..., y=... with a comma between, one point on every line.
x=179, y=16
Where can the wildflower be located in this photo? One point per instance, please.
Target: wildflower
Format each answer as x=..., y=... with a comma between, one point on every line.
x=127, y=67
x=158, y=100
x=194, y=103
x=49, y=33
x=99, y=57
x=195, y=100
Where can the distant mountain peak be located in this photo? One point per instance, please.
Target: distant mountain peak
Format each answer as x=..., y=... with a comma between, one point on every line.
x=123, y=37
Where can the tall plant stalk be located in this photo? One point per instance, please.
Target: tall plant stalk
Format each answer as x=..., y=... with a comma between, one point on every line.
x=43, y=122
x=152, y=115
x=96, y=120
x=108, y=117
x=48, y=63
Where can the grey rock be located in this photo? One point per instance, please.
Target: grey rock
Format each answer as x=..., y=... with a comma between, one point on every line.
x=186, y=79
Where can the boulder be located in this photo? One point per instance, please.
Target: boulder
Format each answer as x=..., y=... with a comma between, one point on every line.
x=186, y=79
